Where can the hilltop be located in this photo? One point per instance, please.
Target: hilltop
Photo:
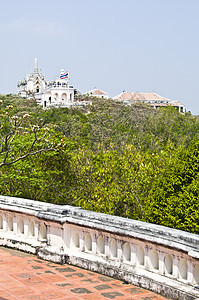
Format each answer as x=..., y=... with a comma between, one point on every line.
x=132, y=161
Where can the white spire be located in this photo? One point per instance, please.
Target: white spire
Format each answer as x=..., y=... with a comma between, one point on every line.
x=36, y=66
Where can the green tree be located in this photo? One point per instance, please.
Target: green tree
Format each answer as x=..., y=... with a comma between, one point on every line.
x=173, y=199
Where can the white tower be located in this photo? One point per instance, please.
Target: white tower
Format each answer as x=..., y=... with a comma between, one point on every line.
x=34, y=83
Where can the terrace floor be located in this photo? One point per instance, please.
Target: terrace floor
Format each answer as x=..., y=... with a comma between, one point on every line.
x=24, y=276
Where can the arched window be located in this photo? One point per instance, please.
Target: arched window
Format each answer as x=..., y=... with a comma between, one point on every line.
x=113, y=248
x=127, y=252
x=88, y=242
x=20, y=226
x=100, y=245
x=183, y=269
x=64, y=97
x=10, y=223
x=42, y=232
x=196, y=274
x=154, y=259
x=31, y=228
x=75, y=239
x=168, y=264
x=140, y=255
x=56, y=97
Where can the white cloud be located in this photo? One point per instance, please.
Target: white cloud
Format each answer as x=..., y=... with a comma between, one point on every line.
x=33, y=26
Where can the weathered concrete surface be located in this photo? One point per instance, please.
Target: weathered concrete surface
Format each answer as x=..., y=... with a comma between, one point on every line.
x=121, y=226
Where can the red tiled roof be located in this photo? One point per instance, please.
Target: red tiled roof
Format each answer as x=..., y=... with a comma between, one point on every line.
x=152, y=99
x=99, y=92
x=140, y=96
x=96, y=92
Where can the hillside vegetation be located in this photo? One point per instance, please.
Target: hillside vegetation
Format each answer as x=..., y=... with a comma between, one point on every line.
x=131, y=161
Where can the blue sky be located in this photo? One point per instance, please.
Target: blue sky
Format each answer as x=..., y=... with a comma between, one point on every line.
x=115, y=45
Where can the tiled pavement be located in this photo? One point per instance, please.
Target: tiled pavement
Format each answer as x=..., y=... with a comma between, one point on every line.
x=24, y=276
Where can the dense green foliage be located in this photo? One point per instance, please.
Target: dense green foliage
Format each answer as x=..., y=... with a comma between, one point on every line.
x=174, y=196
x=132, y=161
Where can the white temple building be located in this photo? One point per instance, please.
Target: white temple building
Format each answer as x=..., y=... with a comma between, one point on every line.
x=57, y=93
x=47, y=93
x=35, y=82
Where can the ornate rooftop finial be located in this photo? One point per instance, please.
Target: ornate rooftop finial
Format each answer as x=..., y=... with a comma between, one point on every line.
x=36, y=66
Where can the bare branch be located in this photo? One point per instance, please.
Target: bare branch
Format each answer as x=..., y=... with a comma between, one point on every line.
x=26, y=155
x=11, y=129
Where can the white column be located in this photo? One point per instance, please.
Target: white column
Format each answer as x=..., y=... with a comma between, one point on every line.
x=175, y=267
x=94, y=243
x=106, y=246
x=36, y=230
x=119, y=251
x=26, y=223
x=146, y=258
x=81, y=240
x=4, y=217
x=15, y=224
x=133, y=255
x=161, y=262
x=190, y=277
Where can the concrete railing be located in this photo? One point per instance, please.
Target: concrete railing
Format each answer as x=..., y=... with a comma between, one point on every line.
x=154, y=257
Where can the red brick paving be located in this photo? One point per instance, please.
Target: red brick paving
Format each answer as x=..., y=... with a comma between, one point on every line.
x=23, y=276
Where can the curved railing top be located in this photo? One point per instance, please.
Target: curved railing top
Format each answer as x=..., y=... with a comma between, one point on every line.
x=173, y=238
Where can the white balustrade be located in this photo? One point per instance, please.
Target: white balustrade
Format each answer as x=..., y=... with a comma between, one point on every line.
x=158, y=258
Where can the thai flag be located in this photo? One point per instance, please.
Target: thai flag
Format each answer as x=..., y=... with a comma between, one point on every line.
x=64, y=75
